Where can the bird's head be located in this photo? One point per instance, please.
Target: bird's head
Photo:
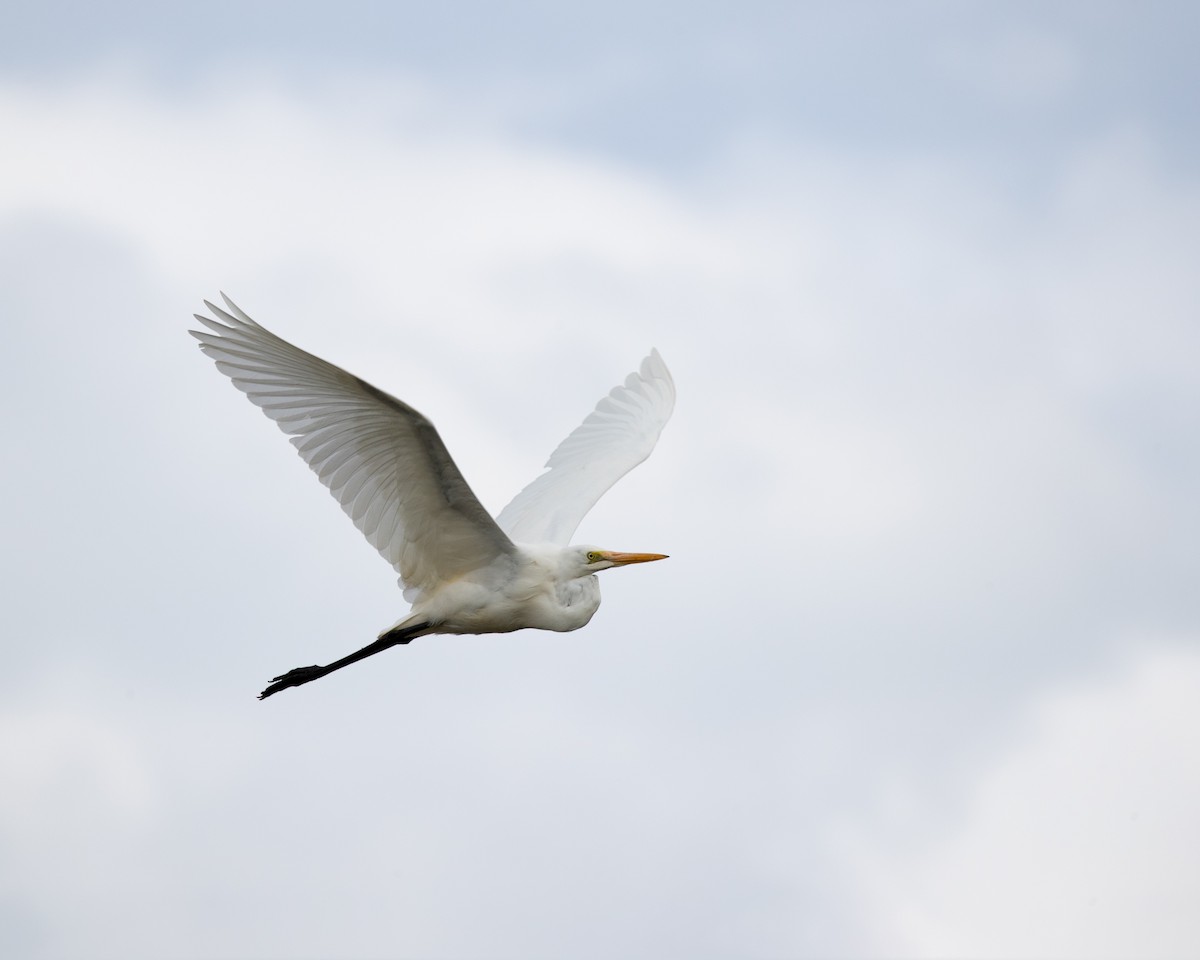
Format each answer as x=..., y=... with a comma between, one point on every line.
x=593, y=559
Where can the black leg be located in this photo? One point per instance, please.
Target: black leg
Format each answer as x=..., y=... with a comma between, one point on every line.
x=300, y=675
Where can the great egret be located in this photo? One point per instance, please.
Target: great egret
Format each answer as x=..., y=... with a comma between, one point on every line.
x=461, y=571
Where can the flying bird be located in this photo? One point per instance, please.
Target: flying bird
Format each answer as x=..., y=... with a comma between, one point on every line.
x=462, y=571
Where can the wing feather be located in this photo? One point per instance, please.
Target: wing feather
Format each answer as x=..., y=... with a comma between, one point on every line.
x=381, y=459
x=614, y=438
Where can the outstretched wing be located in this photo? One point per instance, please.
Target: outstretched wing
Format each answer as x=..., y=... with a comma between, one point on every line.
x=381, y=459
x=618, y=435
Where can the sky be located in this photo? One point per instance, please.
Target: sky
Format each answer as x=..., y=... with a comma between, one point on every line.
x=921, y=677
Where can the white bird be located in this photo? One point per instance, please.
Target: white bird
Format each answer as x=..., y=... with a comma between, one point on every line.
x=461, y=571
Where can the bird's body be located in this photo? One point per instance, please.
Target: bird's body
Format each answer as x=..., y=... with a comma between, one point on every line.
x=462, y=571
x=533, y=588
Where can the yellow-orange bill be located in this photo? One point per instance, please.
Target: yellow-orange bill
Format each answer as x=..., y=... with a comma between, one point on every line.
x=623, y=558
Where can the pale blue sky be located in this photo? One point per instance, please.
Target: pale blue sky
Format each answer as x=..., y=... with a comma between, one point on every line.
x=669, y=85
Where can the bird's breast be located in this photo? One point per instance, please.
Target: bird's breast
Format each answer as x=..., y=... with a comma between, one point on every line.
x=563, y=605
x=526, y=600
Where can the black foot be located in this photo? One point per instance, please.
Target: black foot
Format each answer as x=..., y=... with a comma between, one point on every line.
x=293, y=678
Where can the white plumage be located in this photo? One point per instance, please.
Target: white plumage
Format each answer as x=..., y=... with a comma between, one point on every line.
x=614, y=438
x=462, y=571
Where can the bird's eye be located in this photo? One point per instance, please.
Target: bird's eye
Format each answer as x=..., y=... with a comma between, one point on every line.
x=592, y=556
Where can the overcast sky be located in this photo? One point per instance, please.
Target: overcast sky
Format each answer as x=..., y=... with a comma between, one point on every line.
x=922, y=675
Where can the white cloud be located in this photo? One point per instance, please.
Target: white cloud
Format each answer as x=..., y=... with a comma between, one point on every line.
x=880, y=480
x=1079, y=841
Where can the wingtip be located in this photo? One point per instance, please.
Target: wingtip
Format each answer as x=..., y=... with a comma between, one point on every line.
x=654, y=367
x=237, y=311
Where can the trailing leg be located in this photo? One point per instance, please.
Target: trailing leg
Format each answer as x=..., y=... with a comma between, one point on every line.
x=301, y=675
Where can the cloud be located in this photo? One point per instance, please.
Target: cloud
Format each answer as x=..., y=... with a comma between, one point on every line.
x=1077, y=841
x=898, y=503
